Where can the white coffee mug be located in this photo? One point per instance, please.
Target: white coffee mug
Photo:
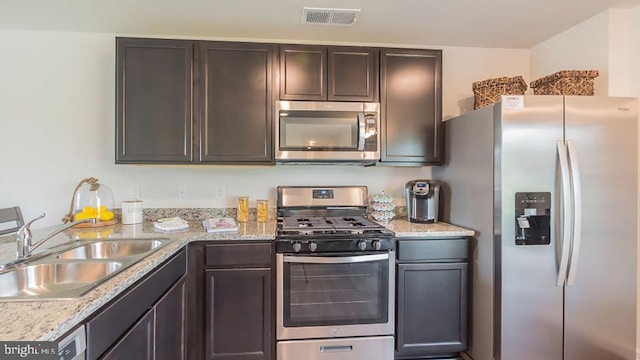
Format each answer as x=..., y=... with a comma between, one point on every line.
x=131, y=212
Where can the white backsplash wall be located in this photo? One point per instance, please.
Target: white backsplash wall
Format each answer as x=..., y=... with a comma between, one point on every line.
x=57, y=127
x=201, y=183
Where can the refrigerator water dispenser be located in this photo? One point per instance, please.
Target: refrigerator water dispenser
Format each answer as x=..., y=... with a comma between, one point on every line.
x=533, y=218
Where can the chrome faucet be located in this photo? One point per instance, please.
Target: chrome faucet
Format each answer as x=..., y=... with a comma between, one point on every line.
x=24, y=238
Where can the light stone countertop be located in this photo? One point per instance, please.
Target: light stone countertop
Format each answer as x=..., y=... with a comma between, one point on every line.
x=405, y=229
x=49, y=319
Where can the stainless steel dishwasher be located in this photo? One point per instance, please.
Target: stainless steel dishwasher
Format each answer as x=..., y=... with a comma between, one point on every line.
x=74, y=345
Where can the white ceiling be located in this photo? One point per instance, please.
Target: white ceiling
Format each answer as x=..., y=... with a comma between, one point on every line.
x=481, y=23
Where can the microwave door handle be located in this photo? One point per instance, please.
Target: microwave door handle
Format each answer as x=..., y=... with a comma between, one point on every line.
x=361, y=131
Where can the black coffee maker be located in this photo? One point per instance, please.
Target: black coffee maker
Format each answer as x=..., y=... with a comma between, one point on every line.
x=422, y=200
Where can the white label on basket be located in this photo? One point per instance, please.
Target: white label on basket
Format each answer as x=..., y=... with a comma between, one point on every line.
x=513, y=102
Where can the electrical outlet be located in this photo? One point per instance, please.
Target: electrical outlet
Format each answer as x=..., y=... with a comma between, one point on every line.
x=134, y=192
x=182, y=192
x=221, y=192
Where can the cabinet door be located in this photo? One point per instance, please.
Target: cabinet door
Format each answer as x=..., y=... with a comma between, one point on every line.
x=303, y=74
x=432, y=309
x=153, y=101
x=411, y=101
x=139, y=340
x=238, y=314
x=170, y=323
x=236, y=102
x=353, y=74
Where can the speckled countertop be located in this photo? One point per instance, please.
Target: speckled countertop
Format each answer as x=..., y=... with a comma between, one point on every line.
x=49, y=319
x=404, y=229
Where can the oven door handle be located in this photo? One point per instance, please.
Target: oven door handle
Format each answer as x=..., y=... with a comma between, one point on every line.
x=334, y=260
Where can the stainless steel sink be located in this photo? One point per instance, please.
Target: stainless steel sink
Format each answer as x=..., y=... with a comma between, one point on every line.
x=57, y=280
x=111, y=249
x=71, y=270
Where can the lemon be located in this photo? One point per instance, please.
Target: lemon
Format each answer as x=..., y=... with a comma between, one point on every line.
x=81, y=216
x=106, y=215
x=90, y=210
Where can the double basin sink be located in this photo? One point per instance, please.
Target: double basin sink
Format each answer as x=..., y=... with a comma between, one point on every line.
x=69, y=271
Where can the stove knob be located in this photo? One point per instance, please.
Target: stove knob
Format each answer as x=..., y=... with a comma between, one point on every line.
x=297, y=247
x=362, y=245
x=376, y=245
x=313, y=246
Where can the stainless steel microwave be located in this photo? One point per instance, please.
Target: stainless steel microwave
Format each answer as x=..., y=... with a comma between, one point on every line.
x=327, y=132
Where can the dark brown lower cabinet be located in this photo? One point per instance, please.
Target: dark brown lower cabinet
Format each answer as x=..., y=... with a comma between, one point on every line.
x=139, y=340
x=432, y=301
x=230, y=307
x=159, y=334
x=170, y=322
x=238, y=314
x=145, y=322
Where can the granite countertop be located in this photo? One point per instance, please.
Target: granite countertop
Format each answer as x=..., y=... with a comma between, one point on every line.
x=403, y=228
x=49, y=319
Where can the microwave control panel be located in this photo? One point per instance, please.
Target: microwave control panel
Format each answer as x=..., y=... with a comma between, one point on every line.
x=371, y=132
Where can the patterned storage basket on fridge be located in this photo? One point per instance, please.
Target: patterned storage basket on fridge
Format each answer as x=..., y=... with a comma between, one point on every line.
x=566, y=82
x=487, y=92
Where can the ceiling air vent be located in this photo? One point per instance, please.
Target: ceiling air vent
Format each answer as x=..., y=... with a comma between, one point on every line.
x=338, y=17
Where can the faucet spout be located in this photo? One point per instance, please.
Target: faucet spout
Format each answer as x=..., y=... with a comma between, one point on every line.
x=24, y=237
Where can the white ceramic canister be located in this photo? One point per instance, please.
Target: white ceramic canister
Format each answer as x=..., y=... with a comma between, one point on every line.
x=131, y=212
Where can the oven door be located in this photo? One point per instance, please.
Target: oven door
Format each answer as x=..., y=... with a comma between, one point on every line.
x=335, y=295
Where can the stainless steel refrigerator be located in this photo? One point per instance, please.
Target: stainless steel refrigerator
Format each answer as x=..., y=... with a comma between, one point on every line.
x=550, y=185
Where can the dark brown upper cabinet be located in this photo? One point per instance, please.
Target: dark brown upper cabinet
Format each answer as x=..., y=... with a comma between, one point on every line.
x=336, y=73
x=411, y=107
x=236, y=102
x=154, y=95
x=191, y=102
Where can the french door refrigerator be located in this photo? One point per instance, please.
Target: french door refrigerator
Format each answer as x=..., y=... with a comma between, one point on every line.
x=549, y=183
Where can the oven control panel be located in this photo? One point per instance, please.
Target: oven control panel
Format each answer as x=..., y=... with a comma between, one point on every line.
x=322, y=193
x=324, y=246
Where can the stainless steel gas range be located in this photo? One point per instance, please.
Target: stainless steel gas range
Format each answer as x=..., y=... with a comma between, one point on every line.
x=335, y=276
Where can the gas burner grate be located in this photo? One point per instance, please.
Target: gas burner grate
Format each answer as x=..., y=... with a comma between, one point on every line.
x=318, y=225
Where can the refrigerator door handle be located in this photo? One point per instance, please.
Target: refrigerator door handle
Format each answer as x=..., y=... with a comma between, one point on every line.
x=577, y=212
x=567, y=213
